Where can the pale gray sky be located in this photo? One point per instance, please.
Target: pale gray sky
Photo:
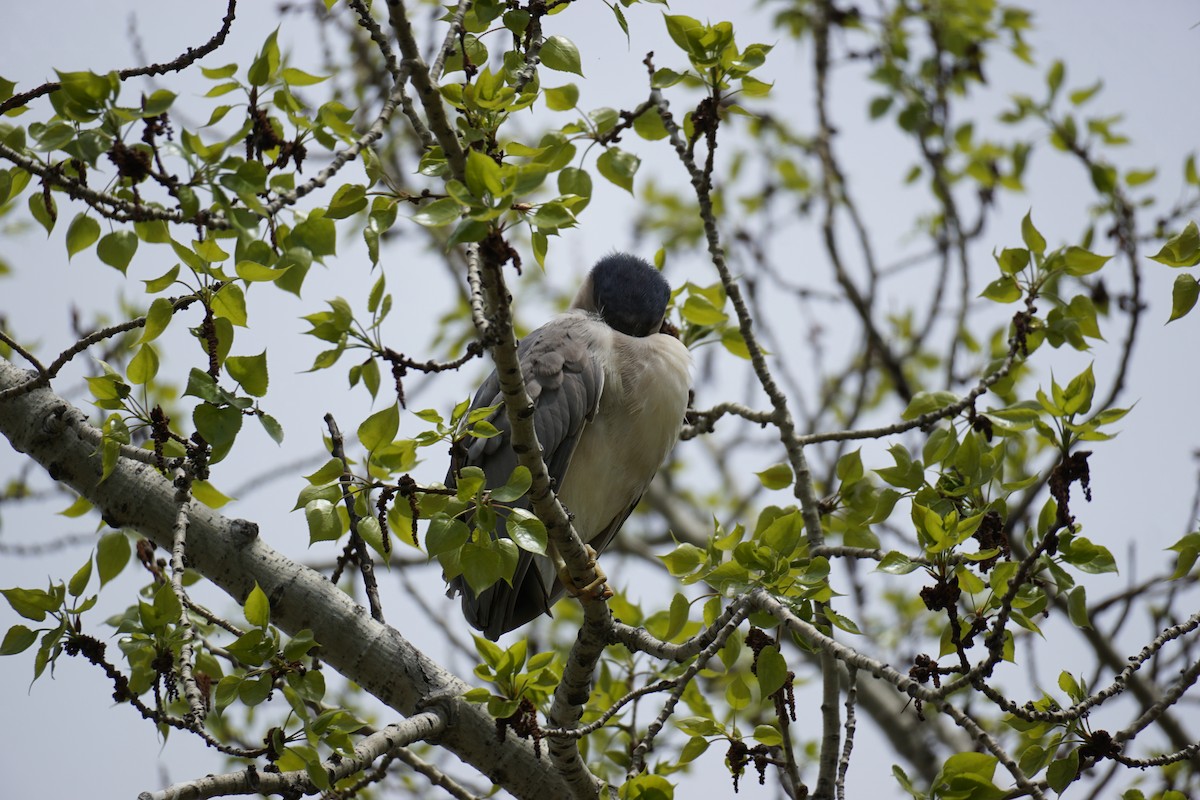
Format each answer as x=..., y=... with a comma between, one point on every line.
x=1147, y=55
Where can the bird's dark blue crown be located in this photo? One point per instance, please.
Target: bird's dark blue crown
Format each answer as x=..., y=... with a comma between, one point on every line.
x=630, y=294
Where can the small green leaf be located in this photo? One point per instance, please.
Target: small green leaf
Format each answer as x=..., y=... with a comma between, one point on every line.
x=251, y=271
x=1033, y=239
x=527, y=531
x=1081, y=262
x=1183, y=296
x=618, y=167
x=79, y=581
x=250, y=372
x=218, y=426
x=778, y=476
x=445, y=535
x=157, y=319
x=560, y=53
x=17, y=640
x=1062, y=772
x=771, y=670
x=516, y=487
x=1182, y=249
x=117, y=248
x=561, y=98
x=266, y=65
x=1077, y=607
x=438, y=213
x=1002, y=290
x=925, y=402
x=156, y=285
x=81, y=234
x=380, y=428
x=77, y=509
x=44, y=209
x=1012, y=260
x=258, y=608
x=143, y=366
x=208, y=494
x=324, y=524
x=230, y=303
x=298, y=77
x=272, y=427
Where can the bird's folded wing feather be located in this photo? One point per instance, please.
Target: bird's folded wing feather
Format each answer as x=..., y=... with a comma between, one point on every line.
x=564, y=380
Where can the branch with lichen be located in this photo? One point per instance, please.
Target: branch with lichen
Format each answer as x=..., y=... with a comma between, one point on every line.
x=573, y=690
x=250, y=781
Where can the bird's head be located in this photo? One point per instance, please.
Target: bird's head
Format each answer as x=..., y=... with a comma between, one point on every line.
x=629, y=295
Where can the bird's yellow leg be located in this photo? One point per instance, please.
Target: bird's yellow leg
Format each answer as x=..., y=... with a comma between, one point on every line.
x=596, y=590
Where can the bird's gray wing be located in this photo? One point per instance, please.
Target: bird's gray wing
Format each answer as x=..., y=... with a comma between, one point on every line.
x=564, y=380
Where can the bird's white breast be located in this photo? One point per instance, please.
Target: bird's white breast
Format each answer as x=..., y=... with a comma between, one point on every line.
x=646, y=382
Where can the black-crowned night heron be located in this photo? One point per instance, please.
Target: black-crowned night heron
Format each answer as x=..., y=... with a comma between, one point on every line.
x=609, y=390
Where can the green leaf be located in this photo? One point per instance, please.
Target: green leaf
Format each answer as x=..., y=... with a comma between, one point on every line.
x=1002, y=290
x=317, y=233
x=44, y=209
x=772, y=670
x=143, y=366
x=561, y=98
x=117, y=248
x=230, y=303
x=618, y=167
x=157, y=319
x=32, y=603
x=1033, y=239
x=1054, y=77
x=1081, y=262
x=266, y=65
x=1182, y=249
x=156, y=285
x=527, y=531
x=298, y=77
x=208, y=494
x=925, y=402
x=700, y=310
x=438, y=213
x=896, y=563
x=1183, y=296
x=560, y=53
x=257, y=607
x=1012, y=260
x=380, y=428
x=482, y=566
x=17, y=640
x=483, y=175
x=79, y=581
x=218, y=426
x=470, y=482
x=112, y=554
x=251, y=271
x=518, y=484
x=778, y=476
x=250, y=372
x=1077, y=607
x=324, y=523
x=348, y=200
x=445, y=535
x=1062, y=772
x=77, y=509
x=272, y=427
x=82, y=233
